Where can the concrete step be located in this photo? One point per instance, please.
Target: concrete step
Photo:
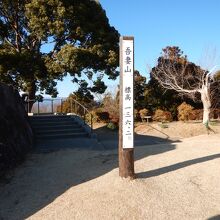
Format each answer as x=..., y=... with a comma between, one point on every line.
x=51, y=119
x=59, y=131
x=65, y=135
x=57, y=126
x=52, y=123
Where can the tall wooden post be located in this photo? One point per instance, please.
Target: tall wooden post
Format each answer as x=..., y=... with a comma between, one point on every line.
x=126, y=123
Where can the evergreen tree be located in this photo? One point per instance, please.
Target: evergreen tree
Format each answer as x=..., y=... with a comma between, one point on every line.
x=43, y=40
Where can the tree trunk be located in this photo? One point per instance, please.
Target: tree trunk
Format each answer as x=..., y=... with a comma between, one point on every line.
x=205, y=97
x=31, y=95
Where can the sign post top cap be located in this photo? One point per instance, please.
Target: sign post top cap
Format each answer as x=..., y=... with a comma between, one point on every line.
x=127, y=37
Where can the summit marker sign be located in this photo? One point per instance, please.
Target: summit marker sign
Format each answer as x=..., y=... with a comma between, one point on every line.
x=126, y=124
x=128, y=93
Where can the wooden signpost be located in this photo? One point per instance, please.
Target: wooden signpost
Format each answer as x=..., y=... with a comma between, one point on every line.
x=126, y=123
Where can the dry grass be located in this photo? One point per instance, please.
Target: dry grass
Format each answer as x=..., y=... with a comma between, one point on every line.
x=172, y=130
x=176, y=130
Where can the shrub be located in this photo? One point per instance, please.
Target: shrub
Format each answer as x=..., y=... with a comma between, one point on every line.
x=143, y=112
x=193, y=115
x=137, y=115
x=174, y=112
x=184, y=111
x=112, y=126
x=215, y=113
x=102, y=116
x=168, y=116
x=110, y=104
x=97, y=116
x=114, y=119
x=197, y=114
x=162, y=116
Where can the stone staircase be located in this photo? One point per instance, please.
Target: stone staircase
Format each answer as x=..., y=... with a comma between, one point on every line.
x=56, y=127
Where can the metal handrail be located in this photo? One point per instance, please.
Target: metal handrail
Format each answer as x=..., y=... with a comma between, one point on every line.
x=79, y=109
x=85, y=112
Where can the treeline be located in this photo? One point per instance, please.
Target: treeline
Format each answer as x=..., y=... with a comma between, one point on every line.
x=108, y=109
x=151, y=99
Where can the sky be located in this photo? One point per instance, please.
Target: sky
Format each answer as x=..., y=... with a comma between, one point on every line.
x=193, y=25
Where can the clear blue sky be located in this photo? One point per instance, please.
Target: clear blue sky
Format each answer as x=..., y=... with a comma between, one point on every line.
x=193, y=25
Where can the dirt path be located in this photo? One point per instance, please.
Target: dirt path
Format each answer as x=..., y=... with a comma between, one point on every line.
x=174, y=181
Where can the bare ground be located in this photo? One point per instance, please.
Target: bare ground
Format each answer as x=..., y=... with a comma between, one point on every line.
x=175, y=180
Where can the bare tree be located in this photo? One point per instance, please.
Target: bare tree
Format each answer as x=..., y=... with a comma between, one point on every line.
x=188, y=79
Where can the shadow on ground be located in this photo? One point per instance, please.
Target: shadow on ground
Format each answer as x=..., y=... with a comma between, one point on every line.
x=217, y=217
x=58, y=165
x=176, y=166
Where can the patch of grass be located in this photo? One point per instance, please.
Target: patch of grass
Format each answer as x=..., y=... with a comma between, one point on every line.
x=195, y=122
x=214, y=123
x=112, y=126
x=163, y=125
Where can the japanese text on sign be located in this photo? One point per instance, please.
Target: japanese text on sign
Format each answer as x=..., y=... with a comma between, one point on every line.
x=127, y=94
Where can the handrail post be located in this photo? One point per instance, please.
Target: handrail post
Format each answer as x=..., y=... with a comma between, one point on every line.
x=26, y=107
x=84, y=116
x=81, y=111
x=71, y=105
x=61, y=106
x=91, y=123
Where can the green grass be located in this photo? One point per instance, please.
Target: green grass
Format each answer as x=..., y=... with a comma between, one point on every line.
x=163, y=125
x=214, y=123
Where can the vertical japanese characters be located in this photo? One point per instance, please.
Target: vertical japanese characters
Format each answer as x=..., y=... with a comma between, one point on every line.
x=127, y=96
